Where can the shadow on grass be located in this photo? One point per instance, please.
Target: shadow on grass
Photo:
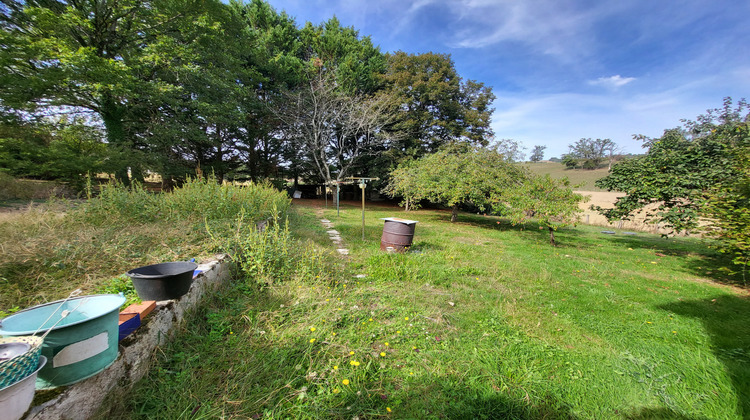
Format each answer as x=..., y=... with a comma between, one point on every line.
x=451, y=402
x=700, y=259
x=660, y=414
x=726, y=319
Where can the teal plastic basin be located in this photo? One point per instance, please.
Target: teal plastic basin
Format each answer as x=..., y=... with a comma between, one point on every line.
x=81, y=345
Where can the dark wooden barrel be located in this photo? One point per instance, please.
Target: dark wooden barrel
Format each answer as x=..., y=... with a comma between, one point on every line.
x=397, y=234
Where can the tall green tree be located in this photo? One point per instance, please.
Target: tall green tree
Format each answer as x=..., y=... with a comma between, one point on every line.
x=102, y=56
x=695, y=174
x=64, y=150
x=436, y=106
x=276, y=63
x=728, y=206
x=339, y=52
x=199, y=125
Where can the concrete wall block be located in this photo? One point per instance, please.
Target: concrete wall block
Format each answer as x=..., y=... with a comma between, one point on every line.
x=81, y=400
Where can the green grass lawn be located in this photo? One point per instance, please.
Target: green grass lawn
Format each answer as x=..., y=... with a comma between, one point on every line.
x=479, y=320
x=583, y=177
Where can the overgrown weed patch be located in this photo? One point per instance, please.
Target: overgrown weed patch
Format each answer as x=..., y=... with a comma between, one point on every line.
x=49, y=250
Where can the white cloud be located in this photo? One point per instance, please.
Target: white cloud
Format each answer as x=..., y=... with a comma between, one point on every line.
x=612, y=82
x=561, y=28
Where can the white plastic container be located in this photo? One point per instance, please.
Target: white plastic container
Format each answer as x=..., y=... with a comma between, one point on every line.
x=16, y=398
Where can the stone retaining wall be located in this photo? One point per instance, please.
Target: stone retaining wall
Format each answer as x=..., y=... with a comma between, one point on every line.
x=83, y=399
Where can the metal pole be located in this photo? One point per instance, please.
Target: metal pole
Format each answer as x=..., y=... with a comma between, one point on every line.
x=362, y=186
x=338, y=199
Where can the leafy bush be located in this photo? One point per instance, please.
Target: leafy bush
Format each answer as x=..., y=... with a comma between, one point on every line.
x=65, y=152
x=266, y=253
x=23, y=189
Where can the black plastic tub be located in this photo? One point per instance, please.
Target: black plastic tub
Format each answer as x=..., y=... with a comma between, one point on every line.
x=163, y=281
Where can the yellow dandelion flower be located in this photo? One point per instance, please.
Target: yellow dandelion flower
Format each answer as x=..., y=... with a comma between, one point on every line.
x=312, y=328
x=648, y=322
x=388, y=409
x=351, y=353
x=354, y=363
x=333, y=334
x=335, y=367
x=336, y=391
x=382, y=354
x=386, y=344
x=406, y=318
x=674, y=332
x=312, y=340
x=345, y=382
x=370, y=320
x=398, y=332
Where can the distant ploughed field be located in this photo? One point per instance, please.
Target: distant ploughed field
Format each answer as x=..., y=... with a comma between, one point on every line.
x=607, y=199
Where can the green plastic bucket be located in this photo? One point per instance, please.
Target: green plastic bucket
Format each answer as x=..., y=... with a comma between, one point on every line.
x=81, y=345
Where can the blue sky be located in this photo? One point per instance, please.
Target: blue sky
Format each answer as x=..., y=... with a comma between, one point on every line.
x=567, y=69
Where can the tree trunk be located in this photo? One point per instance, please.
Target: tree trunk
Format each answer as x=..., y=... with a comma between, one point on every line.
x=167, y=183
x=552, y=236
x=112, y=115
x=454, y=213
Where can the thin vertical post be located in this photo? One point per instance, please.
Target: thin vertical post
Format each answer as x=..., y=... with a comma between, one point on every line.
x=338, y=200
x=362, y=186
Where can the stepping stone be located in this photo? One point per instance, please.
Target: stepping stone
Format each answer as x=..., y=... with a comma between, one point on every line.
x=360, y=276
x=343, y=251
x=608, y=232
x=629, y=233
x=332, y=232
x=325, y=220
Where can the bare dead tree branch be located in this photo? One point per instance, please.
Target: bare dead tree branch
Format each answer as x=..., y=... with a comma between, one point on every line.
x=332, y=128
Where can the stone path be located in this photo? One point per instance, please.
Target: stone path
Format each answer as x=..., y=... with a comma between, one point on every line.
x=335, y=236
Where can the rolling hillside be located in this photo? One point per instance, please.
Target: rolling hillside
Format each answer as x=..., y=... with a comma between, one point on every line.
x=583, y=178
